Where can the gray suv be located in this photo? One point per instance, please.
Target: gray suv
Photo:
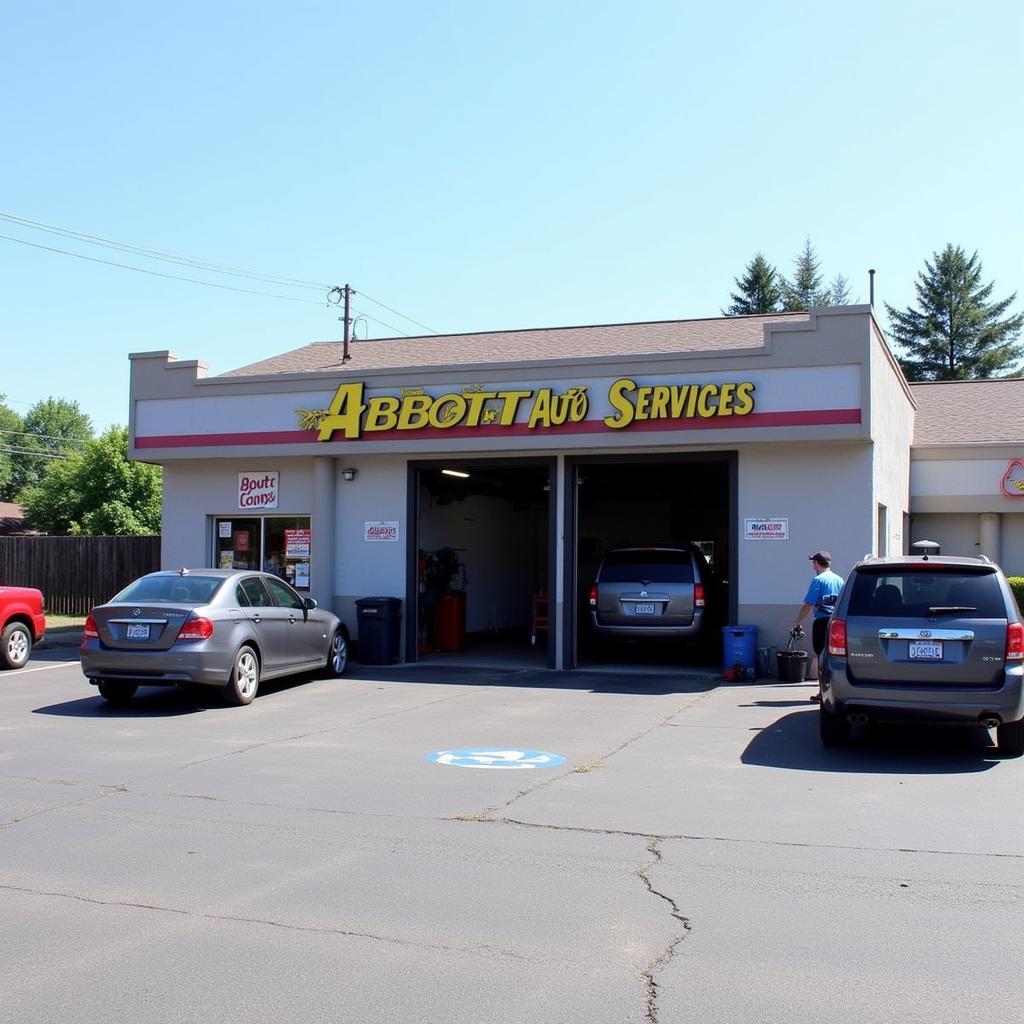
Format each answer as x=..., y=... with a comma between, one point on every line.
x=643, y=592
x=927, y=639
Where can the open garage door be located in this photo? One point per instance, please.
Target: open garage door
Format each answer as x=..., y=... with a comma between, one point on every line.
x=484, y=556
x=641, y=515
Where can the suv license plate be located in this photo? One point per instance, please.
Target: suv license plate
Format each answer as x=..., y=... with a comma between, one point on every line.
x=930, y=649
x=643, y=609
x=137, y=632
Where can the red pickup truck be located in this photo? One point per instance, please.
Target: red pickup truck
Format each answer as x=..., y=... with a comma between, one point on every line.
x=22, y=624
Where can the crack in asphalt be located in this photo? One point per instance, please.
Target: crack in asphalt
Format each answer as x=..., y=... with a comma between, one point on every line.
x=238, y=919
x=662, y=961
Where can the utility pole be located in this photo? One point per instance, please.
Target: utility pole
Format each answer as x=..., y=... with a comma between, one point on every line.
x=344, y=293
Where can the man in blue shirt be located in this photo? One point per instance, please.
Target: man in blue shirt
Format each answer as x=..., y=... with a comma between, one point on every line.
x=821, y=597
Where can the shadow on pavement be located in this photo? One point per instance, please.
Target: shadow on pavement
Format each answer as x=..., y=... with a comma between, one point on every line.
x=603, y=681
x=161, y=701
x=792, y=742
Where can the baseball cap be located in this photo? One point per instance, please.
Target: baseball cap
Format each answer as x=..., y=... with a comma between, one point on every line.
x=821, y=557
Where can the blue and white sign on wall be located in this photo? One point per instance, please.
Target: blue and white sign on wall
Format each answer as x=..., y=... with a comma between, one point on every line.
x=501, y=759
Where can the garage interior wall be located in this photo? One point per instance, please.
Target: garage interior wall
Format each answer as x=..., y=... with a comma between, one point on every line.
x=495, y=543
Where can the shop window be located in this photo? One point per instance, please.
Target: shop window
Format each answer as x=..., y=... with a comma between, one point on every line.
x=276, y=544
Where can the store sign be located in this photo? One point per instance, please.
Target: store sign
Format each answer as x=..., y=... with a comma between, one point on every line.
x=297, y=543
x=352, y=413
x=770, y=528
x=386, y=530
x=1012, y=484
x=257, y=490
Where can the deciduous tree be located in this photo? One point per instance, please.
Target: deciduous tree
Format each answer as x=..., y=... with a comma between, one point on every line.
x=96, y=491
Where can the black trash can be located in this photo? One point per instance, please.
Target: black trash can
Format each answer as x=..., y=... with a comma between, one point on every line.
x=379, y=620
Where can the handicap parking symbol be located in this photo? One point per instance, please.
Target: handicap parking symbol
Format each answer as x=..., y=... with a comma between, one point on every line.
x=497, y=759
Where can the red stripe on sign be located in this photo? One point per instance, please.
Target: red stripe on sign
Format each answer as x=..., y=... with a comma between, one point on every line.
x=802, y=418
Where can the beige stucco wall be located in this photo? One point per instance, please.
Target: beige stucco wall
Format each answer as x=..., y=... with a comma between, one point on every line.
x=827, y=480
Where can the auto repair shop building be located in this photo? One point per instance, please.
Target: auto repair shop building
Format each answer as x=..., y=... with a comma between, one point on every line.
x=502, y=465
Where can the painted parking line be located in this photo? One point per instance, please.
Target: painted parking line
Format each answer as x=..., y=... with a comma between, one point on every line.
x=43, y=668
x=496, y=759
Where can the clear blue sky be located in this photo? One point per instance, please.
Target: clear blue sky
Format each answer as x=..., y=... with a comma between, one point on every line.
x=480, y=166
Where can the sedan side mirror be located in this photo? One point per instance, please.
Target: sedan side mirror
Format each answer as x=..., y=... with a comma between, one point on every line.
x=310, y=603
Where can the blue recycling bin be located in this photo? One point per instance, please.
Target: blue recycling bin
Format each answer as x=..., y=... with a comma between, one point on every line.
x=739, y=647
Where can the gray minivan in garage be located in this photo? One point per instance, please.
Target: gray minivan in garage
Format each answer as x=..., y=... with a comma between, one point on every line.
x=657, y=591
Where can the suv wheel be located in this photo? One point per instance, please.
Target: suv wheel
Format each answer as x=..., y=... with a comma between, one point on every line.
x=834, y=729
x=1010, y=738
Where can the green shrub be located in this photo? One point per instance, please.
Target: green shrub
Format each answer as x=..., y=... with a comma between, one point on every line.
x=1017, y=586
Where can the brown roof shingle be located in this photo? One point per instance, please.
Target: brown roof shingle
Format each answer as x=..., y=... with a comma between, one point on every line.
x=673, y=336
x=969, y=411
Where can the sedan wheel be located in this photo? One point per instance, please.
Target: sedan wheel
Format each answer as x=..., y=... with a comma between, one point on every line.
x=117, y=693
x=15, y=645
x=337, y=656
x=245, y=678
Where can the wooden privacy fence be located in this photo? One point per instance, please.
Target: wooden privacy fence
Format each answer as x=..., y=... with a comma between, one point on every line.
x=75, y=573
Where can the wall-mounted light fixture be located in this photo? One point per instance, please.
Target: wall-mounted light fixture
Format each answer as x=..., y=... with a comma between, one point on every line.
x=455, y=472
x=349, y=473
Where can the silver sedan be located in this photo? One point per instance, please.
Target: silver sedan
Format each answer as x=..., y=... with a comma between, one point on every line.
x=225, y=628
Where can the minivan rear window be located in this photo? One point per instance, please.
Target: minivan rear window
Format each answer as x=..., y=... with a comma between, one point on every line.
x=913, y=593
x=653, y=566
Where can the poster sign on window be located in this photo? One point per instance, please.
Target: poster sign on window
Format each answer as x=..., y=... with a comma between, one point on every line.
x=381, y=530
x=242, y=540
x=224, y=528
x=257, y=490
x=766, y=528
x=296, y=543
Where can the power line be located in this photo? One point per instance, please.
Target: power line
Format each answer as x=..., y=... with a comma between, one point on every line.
x=156, y=273
x=49, y=437
x=160, y=254
x=191, y=261
x=24, y=451
x=390, y=310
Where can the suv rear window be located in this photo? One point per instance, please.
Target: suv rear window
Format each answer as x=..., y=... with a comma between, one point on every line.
x=912, y=593
x=653, y=566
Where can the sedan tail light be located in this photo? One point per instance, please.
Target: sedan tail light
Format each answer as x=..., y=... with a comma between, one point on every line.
x=1015, y=642
x=195, y=627
x=698, y=595
x=593, y=595
x=837, y=638
x=89, y=631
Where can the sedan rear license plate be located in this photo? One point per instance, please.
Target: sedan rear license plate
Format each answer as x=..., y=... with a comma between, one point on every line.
x=137, y=632
x=643, y=609
x=928, y=649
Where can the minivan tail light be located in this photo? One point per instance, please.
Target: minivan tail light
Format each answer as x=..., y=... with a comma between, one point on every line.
x=593, y=595
x=698, y=595
x=837, y=637
x=89, y=630
x=1015, y=642
x=195, y=627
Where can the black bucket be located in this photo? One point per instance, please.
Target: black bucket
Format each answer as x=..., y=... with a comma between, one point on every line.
x=792, y=666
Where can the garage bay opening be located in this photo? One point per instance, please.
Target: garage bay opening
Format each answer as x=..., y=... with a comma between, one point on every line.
x=653, y=558
x=483, y=561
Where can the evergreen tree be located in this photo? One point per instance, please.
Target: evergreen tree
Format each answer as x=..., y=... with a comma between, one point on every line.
x=805, y=290
x=955, y=333
x=759, y=290
x=839, y=291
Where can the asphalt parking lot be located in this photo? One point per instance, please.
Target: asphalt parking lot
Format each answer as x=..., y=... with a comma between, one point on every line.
x=697, y=856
